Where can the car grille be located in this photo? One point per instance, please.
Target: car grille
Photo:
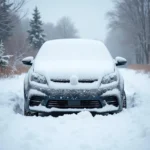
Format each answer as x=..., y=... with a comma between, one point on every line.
x=111, y=100
x=88, y=81
x=68, y=81
x=74, y=104
x=60, y=80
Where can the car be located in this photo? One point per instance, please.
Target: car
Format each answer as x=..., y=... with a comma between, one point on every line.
x=73, y=75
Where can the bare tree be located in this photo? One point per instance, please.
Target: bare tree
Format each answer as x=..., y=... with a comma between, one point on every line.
x=66, y=29
x=133, y=16
x=8, y=9
x=16, y=44
x=118, y=43
x=49, y=29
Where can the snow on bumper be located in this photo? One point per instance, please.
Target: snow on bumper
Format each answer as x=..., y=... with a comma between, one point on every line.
x=105, y=106
x=41, y=108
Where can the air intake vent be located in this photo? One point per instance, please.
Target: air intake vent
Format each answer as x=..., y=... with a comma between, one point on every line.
x=68, y=81
x=60, y=80
x=35, y=100
x=112, y=100
x=87, y=80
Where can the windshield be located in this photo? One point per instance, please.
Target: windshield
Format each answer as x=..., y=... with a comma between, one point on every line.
x=73, y=50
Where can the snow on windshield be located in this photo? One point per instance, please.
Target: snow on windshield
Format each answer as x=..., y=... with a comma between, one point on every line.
x=73, y=49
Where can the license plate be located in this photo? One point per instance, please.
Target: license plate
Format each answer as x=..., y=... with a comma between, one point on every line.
x=73, y=103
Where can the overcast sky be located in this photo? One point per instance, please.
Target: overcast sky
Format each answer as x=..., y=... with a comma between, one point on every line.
x=89, y=16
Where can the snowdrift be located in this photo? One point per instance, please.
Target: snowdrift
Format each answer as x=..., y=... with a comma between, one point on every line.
x=128, y=130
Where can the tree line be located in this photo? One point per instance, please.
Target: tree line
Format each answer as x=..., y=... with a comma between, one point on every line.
x=21, y=36
x=129, y=30
x=40, y=32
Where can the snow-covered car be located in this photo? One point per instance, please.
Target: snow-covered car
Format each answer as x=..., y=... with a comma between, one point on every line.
x=73, y=75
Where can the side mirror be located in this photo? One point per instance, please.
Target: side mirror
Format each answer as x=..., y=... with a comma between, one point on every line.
x=28, y=61
x=120, y=61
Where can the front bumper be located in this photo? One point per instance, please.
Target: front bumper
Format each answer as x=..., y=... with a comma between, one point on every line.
x=43, y=109
x=104, y=96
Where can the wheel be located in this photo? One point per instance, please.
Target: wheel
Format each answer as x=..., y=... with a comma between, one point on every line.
x=124, y=100
x=28, y=113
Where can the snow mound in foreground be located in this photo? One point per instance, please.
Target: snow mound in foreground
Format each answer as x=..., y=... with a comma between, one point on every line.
x=128, y=130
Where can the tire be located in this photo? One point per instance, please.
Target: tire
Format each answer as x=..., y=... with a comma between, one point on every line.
x=124, y=98
x=28, y=113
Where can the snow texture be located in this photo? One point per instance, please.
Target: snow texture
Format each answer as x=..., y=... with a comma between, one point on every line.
x=28, y=59
x=2, y=49
x=86, y=59
x=44, y=109
x=73, y=49
x=35, y=92
x=128, y=130
x=4, y=60
x=120, y=59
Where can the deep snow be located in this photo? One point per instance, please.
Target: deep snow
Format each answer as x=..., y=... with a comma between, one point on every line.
x=128, y=130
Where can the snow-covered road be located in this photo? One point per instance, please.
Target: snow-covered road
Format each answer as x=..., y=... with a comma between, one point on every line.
x=128, y=130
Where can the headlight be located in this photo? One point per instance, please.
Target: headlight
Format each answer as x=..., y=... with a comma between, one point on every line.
x=38, y=78
x=109, y=78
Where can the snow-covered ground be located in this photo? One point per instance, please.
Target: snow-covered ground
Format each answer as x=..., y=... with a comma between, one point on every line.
x=128, y=130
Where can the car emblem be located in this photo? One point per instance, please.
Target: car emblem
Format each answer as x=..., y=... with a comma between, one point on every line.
x=74, y=80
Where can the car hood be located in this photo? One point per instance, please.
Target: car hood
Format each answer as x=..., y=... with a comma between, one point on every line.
x=82, y=69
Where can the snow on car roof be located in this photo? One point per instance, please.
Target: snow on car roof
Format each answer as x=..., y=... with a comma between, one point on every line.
x=73, y=49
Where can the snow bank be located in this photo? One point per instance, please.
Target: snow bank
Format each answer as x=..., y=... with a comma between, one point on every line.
x=11, y=94
x=128, y=130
